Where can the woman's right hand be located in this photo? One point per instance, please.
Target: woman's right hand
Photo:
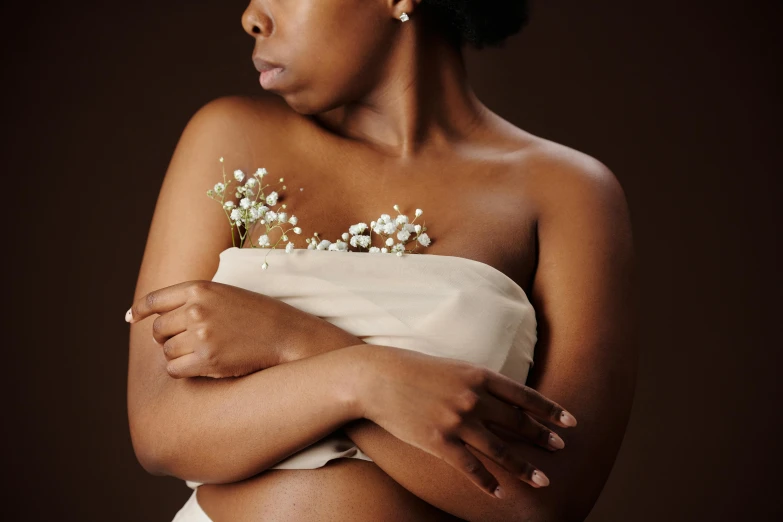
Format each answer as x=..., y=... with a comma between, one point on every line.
x=439, y=404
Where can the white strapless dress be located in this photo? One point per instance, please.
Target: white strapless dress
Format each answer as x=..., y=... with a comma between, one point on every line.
x=445, y=306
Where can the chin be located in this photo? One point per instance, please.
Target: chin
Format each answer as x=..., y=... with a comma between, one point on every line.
x=307, y=104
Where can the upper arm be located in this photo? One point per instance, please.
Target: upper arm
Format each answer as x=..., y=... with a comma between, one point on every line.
x=586, y=354
x=187, y=233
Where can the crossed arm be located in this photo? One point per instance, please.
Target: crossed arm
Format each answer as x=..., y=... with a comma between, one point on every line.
x=208, y=430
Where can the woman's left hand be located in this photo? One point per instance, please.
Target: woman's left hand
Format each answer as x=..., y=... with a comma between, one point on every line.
x=216, y=330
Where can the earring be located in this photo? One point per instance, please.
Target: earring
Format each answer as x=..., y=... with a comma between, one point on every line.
x=404, y=17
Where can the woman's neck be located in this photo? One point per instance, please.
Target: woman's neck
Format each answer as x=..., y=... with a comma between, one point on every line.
x=422, y=100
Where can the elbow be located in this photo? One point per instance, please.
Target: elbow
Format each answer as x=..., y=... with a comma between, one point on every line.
x=149, y=448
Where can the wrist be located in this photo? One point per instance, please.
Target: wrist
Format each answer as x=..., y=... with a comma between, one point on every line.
x=317, y=337
x=359, y=375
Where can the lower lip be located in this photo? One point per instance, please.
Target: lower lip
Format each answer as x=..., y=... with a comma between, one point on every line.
x=270, y=77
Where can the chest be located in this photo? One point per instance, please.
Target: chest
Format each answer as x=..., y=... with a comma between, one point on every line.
x=474, y=209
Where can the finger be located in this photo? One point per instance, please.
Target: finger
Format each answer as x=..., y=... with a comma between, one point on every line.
x=169, y=324
x=457, y=455
x=526, y=397
x=483, y=440
x=160, y=301
x=188, y=365
x=518, y=423
x=177, y=346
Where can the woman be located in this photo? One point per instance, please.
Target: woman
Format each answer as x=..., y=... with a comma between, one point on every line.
x=373, y=108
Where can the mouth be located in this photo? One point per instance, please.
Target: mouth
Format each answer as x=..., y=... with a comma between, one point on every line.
x=270, y=72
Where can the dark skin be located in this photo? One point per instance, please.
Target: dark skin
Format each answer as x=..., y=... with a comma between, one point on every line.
x=383, y=115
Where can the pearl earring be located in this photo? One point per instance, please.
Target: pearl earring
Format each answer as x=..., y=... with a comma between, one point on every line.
x=404, y=17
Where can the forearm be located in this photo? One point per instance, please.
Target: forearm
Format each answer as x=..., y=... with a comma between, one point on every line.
x=440, y=484
x=424, y=475
x=225, y=430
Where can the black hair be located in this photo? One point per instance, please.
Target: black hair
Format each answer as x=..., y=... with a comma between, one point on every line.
x=478, y=22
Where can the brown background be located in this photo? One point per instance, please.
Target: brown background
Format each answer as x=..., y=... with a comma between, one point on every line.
x=680, y=99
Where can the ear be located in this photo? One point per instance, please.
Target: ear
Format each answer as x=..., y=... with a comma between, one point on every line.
x=397, y=7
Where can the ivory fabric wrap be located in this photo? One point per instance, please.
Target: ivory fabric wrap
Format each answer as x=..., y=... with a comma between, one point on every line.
x=446, y=306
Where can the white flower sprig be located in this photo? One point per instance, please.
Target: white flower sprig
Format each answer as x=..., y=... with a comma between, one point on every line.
x=250, y=210
x=386, y=227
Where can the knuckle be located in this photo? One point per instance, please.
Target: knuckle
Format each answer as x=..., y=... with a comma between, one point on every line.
x=499, y=450
x=451, y=421
x=157, y=325
x=479, y=376
x=150, y=300
x=467, y=400
x=202, y=333
x=198, y=289
x=524, y=394
x=471, y=465
x=172, y=371
x=196, y=312
x=437, y=436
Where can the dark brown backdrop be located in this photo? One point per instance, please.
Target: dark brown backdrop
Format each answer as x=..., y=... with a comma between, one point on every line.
x=680, y=99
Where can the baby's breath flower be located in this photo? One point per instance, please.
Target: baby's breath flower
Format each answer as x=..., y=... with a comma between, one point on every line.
x=342, y=246
x=251, y=210
x=357, y=229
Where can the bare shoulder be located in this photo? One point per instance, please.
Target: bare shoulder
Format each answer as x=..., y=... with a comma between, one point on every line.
x=566, y=179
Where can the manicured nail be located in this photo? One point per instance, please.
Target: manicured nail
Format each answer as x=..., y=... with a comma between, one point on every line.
x=540, y=479
x=128, y=315
x=567, y=419
x=499, y=492
x=555, y=441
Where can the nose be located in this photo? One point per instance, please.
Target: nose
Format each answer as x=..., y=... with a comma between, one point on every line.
x=256, y=21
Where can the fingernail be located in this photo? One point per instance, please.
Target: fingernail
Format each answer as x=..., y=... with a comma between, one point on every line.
x=555, y=441
x=128, y=315
x=567, y=419
x=499, y=492
x=540, y=479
